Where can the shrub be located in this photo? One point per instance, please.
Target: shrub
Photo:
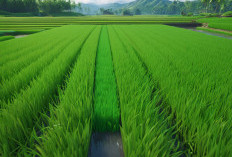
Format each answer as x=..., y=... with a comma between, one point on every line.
x=227, y=14
x=190, y=14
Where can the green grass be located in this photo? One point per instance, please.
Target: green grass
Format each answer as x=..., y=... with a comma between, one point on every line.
x=13, y=59
x=145, y=129
x=18, y=81
x=19, y=117
x=169, y=86
x=24, y=23
x=224, y=23
x=193, y=72
x=70, y=122
x=3, y=38
x=106, y=109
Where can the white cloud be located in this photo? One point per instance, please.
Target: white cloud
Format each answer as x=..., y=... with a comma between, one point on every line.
x=104, y=1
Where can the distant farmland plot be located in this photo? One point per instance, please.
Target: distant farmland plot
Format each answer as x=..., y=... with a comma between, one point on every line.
x=169, y=89
x=16, y=23
x=218, y=23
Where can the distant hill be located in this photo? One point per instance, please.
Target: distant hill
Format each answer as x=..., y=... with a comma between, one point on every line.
x=158, y=7
x=93, y=9
x=147, y=6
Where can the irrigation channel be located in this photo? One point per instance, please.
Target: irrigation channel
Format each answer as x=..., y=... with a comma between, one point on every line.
x=106, y=139
x=193, y=27
x=20, y=36
x=210, y=33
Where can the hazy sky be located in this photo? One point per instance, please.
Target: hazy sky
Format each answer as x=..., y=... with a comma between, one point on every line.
x=103, y=1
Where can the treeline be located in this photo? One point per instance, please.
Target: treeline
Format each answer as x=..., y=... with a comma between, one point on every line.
x=36, y=6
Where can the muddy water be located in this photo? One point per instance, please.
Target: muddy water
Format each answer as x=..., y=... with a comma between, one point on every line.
x=106, y=145
x=210, y=33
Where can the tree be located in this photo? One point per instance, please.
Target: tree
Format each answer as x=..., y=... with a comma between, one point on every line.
x=30, y=5
x=127, y=12
x=138, y=12
x=79, y=6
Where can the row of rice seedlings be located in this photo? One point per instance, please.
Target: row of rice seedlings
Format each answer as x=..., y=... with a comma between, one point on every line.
x=74, y=20
x=20, y=80
x=224, y=26
x=19, y=117
x=12, y=67
x=194, y=74
x=106, y=109
x=9, y=52
x=4, y=38
x=70, y=123
x=145, y=130
x=218, y=23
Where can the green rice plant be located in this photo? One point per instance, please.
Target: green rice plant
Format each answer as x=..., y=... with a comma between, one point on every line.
x=194, y=77
x=3, y=38
x=145, y=129
x=43, y=38
x=224, y=26
x=13, y=66
x=70, y=123
x=20, y=116
x=218, y=23
x=24, y=23
x=20, y=80
x=106, y=110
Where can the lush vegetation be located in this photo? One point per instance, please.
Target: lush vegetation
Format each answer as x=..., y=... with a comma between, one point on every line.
x=167, y=89
x=106, y=110
x=40, y=23
x=20, y=116
x=6, y=38
x=71, y=119
x=218, y=23
x=41, y=7
x=193, y=77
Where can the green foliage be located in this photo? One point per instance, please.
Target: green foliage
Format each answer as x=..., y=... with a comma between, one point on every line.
x=127, y=12
x=19, y=117
x=218, y=23
x=53, y=6
x=190, y=14
x=137, y=12
x=227, y=14
x=174, y=94
x=70, y=123
x=3, y=38
x=195, y=84
x=106, y=110
x=145, y=130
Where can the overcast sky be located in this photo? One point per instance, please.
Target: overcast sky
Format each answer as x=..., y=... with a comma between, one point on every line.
x=103, y=1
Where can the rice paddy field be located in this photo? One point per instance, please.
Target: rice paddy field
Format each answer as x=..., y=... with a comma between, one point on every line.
x=167, y=90
x=218, y=23
x=38, y=23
